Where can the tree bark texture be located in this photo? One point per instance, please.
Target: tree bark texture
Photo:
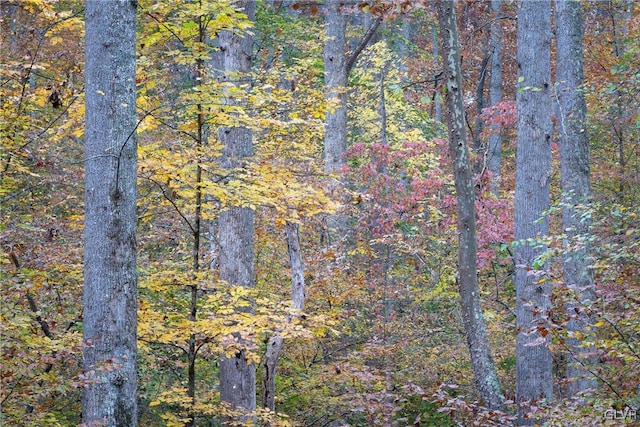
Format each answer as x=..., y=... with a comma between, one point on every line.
x=236, y=224
x=335, y=75
x=110, y=280
x=574, y=164
x=473, y=318
x=274, y=346
x=534, y=380
x=495, y=96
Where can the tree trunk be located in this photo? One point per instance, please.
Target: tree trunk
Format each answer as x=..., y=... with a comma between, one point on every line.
x=534, y=380
x=197, y=224
x=574, y=164
x=335, y=74
x=236, y=224
x=436, y=101
x=274, y=346
x=473, y=318
x=337, y=66
x=495, y=96
x=237, y=374
x=478, y=146
x=382, y=106
x=110, y=279
x=621, y=14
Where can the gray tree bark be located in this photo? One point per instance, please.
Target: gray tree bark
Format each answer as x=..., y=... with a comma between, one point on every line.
x=335, y=72
x=534, y=380
x=472, y=315
x=337, y=66
x=110, y=279
x=495, y=96
x=236, y=224
x=574, y=165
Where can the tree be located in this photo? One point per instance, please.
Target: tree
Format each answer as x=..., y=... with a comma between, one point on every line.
x=467, y=275
x=275, y=343
x=110, y=289
x=337, y=66
x=495, y=96
x=620, y=15
x=236, y=223
x=336, y=76
x=574, y=164
x=534, y=382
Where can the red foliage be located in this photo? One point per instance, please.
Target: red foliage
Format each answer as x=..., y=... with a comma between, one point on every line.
x=501, y=115
x=396, y=186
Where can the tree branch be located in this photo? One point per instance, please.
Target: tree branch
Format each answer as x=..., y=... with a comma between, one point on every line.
x=32, y=302
x=351, y=59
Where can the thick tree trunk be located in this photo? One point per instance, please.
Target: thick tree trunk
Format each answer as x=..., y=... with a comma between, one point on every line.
x=335, y=83
x=574, y=164
x=473, y=318
x=335, y=75
x=337, y=66
x=236, y=224
x=495, y=95
x=274, y=346
x=237, y=373
x=110, y=279
x=534, y=380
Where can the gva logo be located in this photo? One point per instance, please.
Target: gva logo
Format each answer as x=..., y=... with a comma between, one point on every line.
x=626, y=414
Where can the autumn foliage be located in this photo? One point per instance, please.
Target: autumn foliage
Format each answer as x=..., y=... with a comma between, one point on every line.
x=380, y=342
